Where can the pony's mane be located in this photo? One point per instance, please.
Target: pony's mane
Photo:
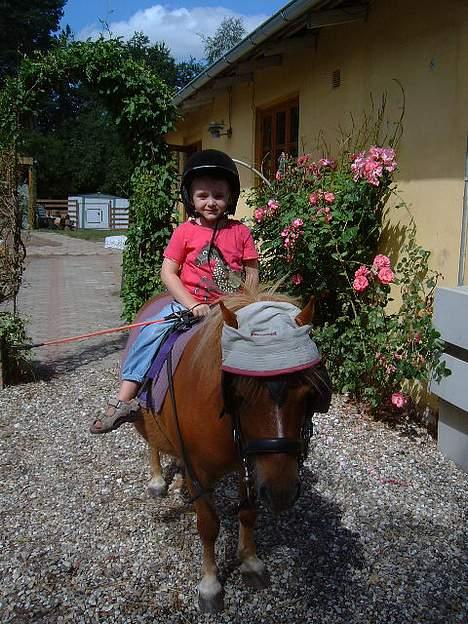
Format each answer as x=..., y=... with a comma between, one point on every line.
x=206, y=357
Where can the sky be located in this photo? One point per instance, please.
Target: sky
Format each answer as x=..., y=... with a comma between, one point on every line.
x=176, y=22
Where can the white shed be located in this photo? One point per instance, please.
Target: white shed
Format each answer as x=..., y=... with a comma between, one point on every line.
x=99, y=211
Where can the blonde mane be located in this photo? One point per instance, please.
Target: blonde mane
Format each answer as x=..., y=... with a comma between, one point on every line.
x=206, y=357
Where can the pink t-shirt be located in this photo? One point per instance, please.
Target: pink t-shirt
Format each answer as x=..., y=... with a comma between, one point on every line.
x=232, y=245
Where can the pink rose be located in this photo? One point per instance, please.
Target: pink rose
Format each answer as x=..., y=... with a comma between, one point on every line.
x=327, y=162
x=273, y=205
x=313, y=198
x=381, y=261
x=297, y=279
x=360, y=283
x=298, y=223
x=278, y=176
x=398, y=399
x=303, y=160
x=329, y=197
x=362, y=271
x=385, y=275
x=259, y=214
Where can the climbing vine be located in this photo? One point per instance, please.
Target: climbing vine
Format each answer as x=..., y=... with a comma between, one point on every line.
x=140, y=104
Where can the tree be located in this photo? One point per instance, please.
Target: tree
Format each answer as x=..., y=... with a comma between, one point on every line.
x=229, y=32
x=26, y=27
x=73, y=128
x=156, y=56
x=186, y=71
x=89, y=152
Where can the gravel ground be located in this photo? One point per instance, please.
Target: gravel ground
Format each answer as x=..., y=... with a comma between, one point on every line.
x=377, y=536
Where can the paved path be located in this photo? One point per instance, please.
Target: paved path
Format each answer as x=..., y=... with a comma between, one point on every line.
x=71, y=287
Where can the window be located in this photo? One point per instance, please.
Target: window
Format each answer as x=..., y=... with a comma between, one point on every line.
x=277, y=132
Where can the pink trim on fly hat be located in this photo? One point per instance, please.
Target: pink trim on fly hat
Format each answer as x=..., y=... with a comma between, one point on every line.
x=270, y=373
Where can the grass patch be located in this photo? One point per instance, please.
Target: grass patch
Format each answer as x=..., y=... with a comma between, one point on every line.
x=91, y=235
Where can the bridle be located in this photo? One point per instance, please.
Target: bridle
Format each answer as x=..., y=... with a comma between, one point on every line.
x=263, y=446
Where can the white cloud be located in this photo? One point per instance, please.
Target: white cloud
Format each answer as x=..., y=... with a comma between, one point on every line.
x=178, y=28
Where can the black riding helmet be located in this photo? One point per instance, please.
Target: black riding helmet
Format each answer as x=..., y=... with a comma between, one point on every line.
x=211, y=163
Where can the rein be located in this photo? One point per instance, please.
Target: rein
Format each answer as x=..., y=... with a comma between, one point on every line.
x=185, y=321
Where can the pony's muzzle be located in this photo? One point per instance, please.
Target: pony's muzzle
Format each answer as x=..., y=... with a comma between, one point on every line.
x=279, y=499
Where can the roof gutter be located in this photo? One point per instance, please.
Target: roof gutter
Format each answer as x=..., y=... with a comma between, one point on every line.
x=287, y=14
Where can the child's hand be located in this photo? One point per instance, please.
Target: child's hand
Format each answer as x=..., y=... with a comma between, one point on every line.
x=202, y=309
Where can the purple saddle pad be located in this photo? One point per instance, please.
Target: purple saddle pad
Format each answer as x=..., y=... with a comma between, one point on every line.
x=153, y=396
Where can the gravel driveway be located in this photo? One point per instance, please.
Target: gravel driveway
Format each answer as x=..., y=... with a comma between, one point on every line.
x=377, y=536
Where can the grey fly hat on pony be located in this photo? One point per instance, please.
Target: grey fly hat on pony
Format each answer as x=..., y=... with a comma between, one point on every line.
x=268, y=341
x=212, y=163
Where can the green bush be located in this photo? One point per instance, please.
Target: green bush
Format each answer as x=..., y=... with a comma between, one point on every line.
x=12, y=334
x=152, y=212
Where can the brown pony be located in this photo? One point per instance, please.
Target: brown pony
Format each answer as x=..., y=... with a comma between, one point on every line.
x=225, y=423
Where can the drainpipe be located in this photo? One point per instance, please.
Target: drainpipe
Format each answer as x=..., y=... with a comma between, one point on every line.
x=464, y=229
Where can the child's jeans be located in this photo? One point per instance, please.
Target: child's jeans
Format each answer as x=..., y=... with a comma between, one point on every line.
x=141, y=353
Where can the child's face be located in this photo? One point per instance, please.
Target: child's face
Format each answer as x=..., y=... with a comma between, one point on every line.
x=210, y=199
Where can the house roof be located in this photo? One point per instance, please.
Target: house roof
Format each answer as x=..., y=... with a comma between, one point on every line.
x=295, y=19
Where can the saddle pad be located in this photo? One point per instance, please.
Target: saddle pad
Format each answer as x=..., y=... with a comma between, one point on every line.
x=154, y=397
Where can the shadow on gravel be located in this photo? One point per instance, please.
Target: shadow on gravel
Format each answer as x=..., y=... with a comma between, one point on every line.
x=41, y=370
x=319, y=551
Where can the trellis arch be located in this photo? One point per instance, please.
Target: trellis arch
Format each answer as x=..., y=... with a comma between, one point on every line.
x=140, y=104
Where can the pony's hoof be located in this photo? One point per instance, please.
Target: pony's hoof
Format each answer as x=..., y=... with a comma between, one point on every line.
x=254, y=574
x=211, y=604
x=157, y=488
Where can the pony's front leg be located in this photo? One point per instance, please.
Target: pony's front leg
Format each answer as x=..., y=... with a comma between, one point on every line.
x=210, y=590
x=253, y=570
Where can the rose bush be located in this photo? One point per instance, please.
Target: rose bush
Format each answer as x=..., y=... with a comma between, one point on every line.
x=318, y=227
x=320, y=220
x=377, y=355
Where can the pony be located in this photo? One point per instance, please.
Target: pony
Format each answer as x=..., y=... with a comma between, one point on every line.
x=218, y=422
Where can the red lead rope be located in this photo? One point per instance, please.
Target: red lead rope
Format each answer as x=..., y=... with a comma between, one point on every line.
x=112, y=330
x=100, y=332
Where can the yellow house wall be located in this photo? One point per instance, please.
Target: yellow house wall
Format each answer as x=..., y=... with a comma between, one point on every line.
x=423, y=46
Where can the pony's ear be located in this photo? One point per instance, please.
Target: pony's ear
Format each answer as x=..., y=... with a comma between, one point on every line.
x=229, y=317
x=306, y=315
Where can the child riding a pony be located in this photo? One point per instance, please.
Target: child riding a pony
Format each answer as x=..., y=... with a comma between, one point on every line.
x=208, y=256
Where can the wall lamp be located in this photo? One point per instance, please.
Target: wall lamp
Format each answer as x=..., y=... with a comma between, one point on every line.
x=215, y=129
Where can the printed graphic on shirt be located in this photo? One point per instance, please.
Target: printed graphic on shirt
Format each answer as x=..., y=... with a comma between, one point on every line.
x=224, y=278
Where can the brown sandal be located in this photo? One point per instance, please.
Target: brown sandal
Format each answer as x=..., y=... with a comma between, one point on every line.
x=118, y=413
